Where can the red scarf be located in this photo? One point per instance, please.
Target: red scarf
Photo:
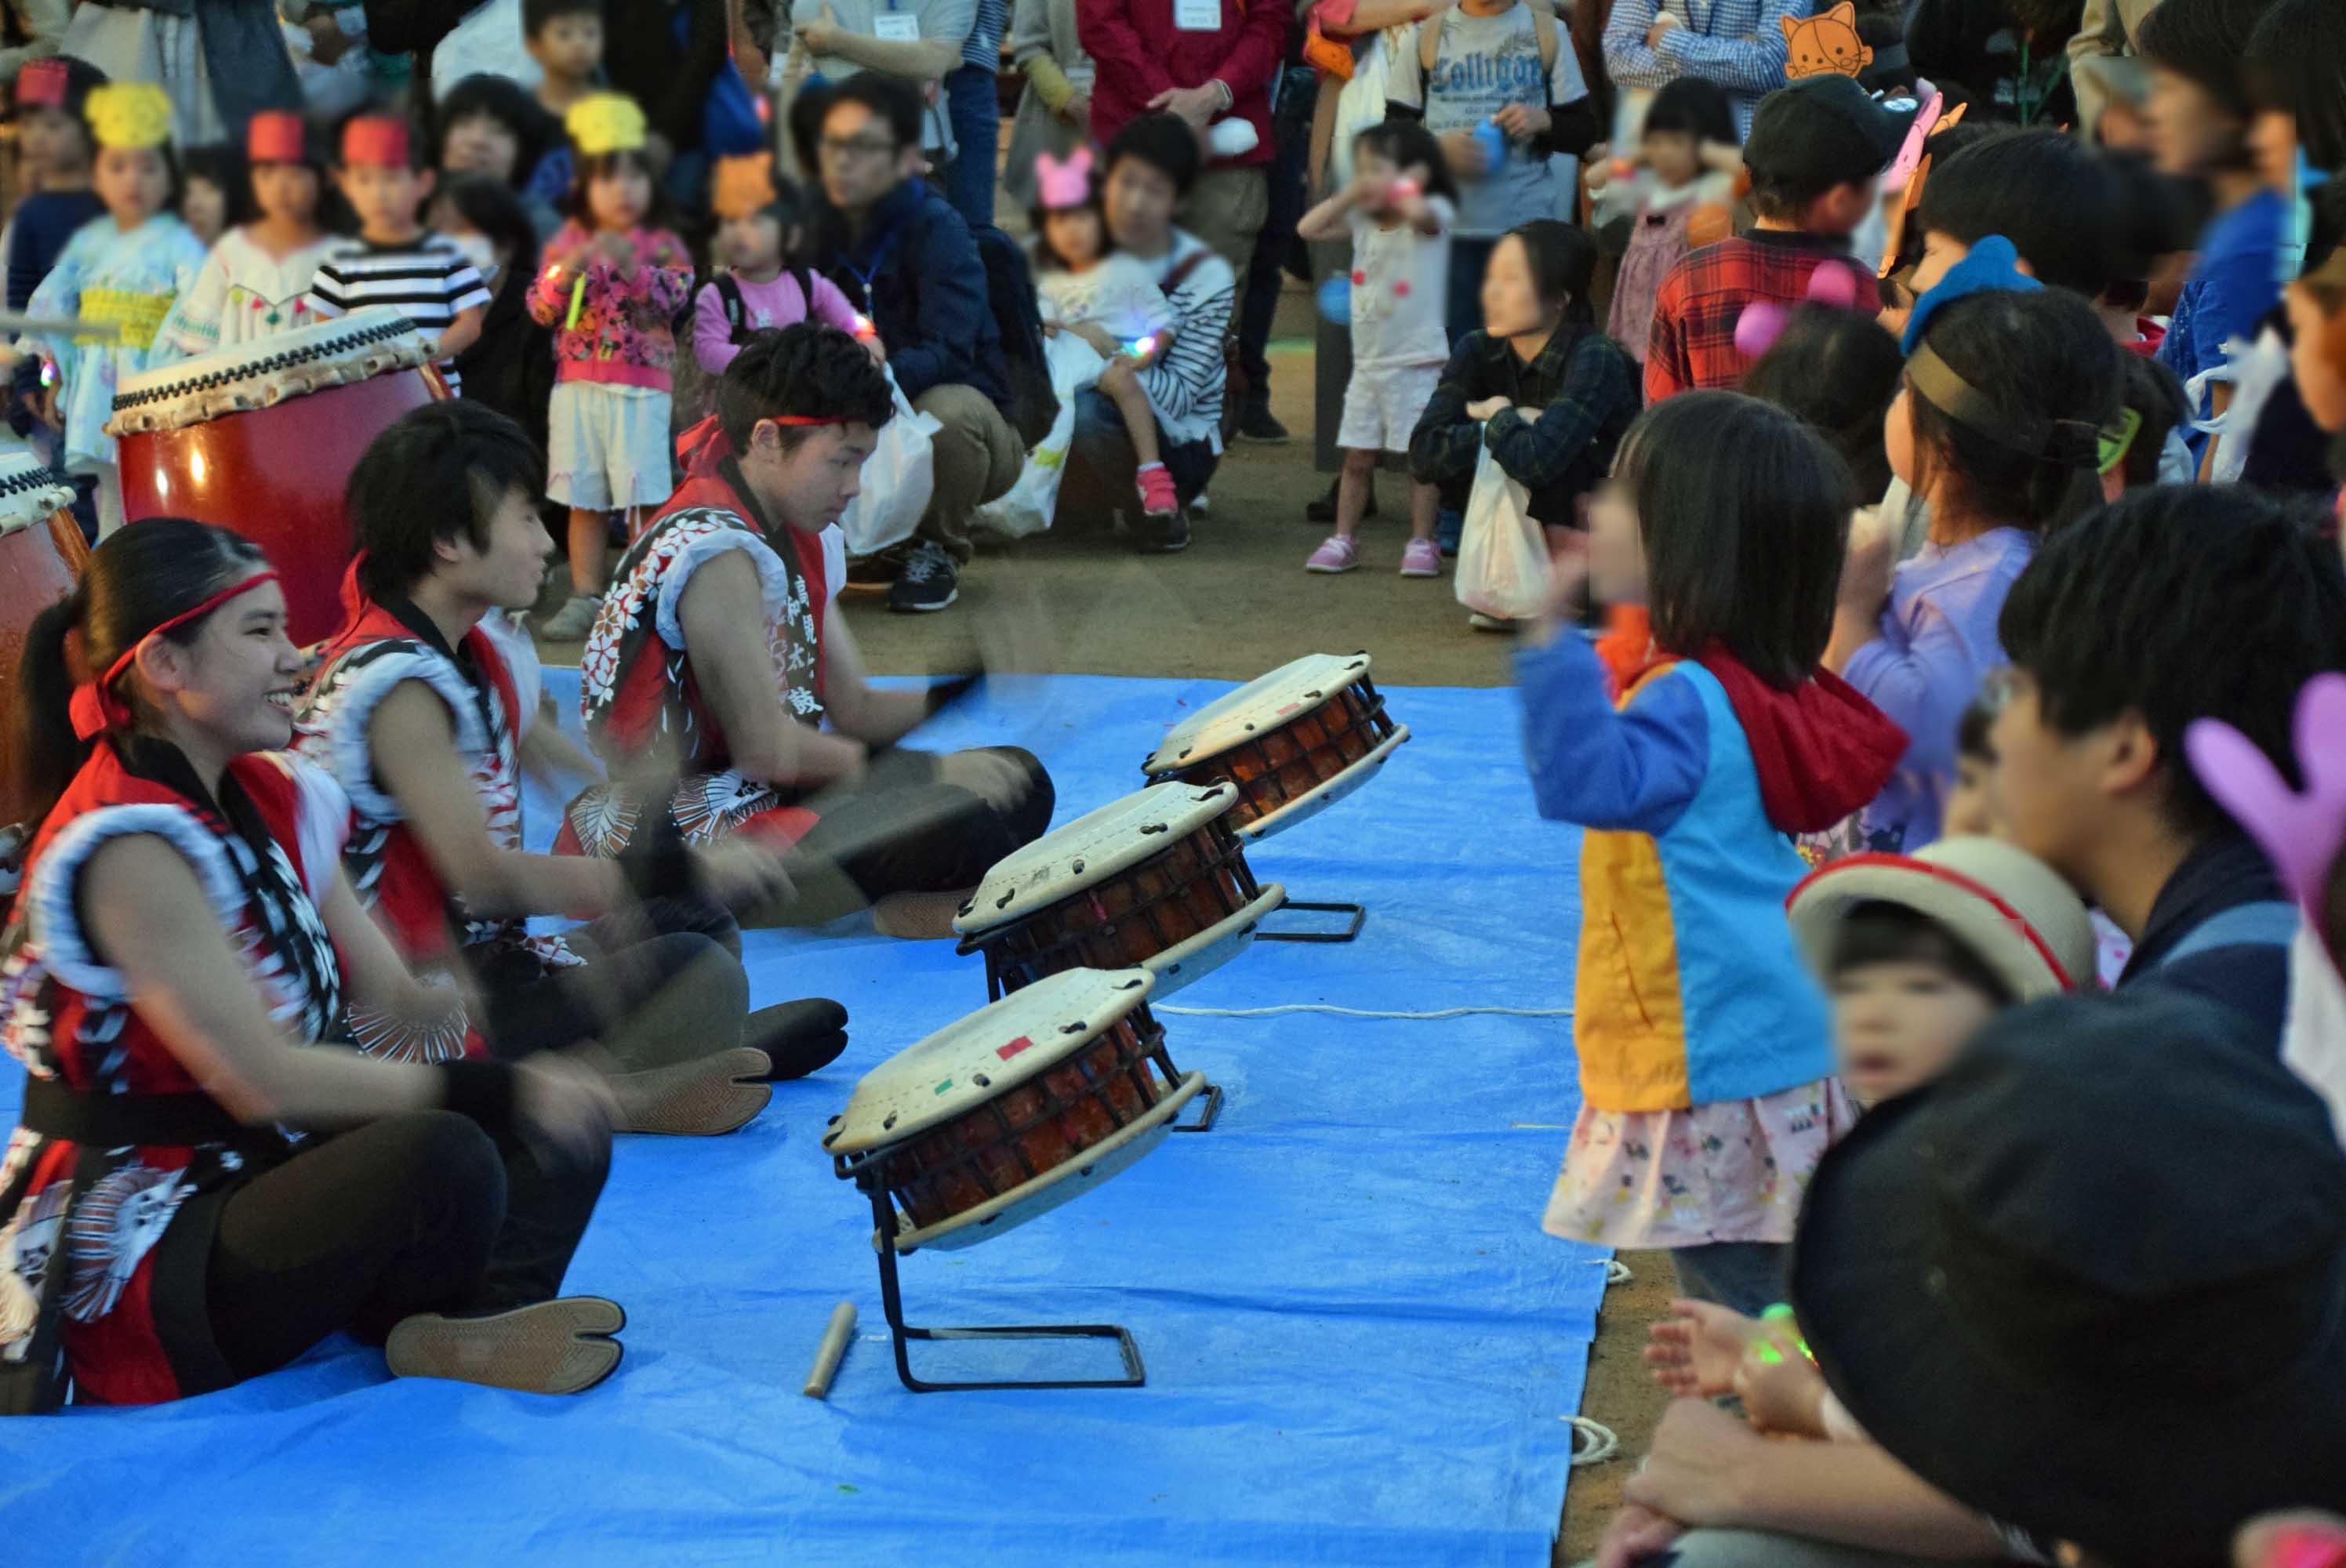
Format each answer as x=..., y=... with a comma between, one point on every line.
x=1822, y=749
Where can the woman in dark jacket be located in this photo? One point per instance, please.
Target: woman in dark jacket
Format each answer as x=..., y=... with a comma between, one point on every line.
x=510, y=366
x=1549, y=393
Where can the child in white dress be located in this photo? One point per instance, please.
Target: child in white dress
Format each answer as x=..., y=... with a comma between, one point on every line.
x=123, y=271
x=256, y=281
x=1089, y=292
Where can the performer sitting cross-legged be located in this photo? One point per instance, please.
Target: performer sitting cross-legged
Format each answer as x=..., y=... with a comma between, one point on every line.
x=419, y=713
x=184, y=938
x=718, y=656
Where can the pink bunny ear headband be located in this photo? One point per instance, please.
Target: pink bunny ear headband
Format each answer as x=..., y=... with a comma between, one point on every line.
x=2302, y=832
x=1063, y=182
x=1756, y=329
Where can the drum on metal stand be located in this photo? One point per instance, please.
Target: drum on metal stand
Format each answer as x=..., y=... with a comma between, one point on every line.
x=999, y=1119
x=42, y=551
x=1294, y=742
x=261, y=438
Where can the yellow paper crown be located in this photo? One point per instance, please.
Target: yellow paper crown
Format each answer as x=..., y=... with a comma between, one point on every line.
x=605, y=122
x=129, y=115
x=745, y=184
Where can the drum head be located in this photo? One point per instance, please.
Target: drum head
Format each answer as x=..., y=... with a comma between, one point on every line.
x=1262, y=705
x=1060, y=1183
x=369, y=342
x=1090, y=850
x=1324, y=794
x=29, y=493
x=988, y=1052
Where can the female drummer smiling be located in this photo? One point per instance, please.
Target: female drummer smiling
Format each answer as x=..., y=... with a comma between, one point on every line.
x=196, y=1192
x=1688, y=752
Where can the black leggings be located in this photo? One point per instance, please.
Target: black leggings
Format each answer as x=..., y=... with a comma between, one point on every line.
x=420, y=1212
x=896, y=830
x=662, y=986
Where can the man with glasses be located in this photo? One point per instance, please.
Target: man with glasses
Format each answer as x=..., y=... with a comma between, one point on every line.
x=907, y=259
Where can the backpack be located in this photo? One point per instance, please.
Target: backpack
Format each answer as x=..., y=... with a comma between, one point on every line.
x=1234, y=376
x=1010, y=295
x=736, y=312
x=1429, y=45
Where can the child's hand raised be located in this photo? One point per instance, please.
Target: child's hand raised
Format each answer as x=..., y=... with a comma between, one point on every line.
x=1781, y=1388
x=1697, y=1349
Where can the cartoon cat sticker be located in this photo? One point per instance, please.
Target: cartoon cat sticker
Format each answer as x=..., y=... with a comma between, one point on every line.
x=1825, y=44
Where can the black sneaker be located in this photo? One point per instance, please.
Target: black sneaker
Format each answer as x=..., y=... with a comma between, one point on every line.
x=1324, y=509
x=1256, y=424
x=877, y=574
x=1161, y=536
x=930, y=581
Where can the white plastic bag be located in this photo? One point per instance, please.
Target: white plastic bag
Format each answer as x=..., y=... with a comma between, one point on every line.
x=1361, y=104
x=1026, y=507
x=487, y=43
x=1502, y=552
x=899, y=478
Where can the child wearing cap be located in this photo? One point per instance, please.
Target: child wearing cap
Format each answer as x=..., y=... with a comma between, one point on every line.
x=256, y=282
x=394, y=259
x=122, y=271
x=1815, y=150
x=611, y=284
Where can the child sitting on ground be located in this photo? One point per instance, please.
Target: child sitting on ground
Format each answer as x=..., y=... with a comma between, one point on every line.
x=2009, y=389
x=1087, y=288
x=1397, y=213
x=1706, y=1080
x=1815, y=151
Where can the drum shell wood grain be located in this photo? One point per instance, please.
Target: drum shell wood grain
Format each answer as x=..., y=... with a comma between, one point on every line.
x=38, y=564
x=276, y=475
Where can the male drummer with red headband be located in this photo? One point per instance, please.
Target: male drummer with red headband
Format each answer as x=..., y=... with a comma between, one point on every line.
x=719, y=657
x=419, y=711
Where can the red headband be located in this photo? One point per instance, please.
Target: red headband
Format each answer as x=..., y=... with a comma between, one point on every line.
x=276, y=137
x=805, y=419
x=95, y=708
x=375, y=141
x=41, y=84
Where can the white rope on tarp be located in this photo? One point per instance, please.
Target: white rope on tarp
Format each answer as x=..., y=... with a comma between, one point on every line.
x=1334, y=1011
x=1592, y=1441
x=1616, y=1272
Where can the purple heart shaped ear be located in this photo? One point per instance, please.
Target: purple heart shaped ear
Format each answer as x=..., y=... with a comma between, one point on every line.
x=1758, y=328
x=1833, y=284
x=2300, y=831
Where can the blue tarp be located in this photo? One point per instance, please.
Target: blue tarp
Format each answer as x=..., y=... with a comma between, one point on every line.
x=1360, y=1347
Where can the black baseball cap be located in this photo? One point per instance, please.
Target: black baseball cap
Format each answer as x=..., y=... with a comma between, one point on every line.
x=1826, y=128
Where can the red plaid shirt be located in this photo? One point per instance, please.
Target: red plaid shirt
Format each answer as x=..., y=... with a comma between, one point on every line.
x=1695, y=312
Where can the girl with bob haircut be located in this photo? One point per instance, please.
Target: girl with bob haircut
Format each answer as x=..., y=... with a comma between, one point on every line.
x=1687, y=749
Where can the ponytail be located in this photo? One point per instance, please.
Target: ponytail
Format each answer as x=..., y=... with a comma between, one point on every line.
x=44, y=752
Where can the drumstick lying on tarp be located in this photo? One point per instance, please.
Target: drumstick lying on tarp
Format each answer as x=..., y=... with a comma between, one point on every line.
x=834, y=1347
x=68, y=327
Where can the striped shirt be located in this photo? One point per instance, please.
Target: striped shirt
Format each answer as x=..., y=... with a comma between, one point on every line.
x=1186, y=382
x=428, y=280
x=983, y=48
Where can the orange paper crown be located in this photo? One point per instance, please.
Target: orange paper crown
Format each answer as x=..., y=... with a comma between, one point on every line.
x=41, y=84
x=745, y=184
x=375, y=141
x=276, y=136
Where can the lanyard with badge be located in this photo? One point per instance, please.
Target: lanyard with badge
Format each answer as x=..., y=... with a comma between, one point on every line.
x=1197, y=15
x=894, y=27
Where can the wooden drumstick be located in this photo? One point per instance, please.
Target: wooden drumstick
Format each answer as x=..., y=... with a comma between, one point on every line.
x=833, y=1346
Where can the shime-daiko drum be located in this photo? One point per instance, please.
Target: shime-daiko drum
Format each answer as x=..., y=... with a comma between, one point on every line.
x=41, y=552
x=1295, y=742
x=999, y=1119
x=1157, y=880
x=261, y=438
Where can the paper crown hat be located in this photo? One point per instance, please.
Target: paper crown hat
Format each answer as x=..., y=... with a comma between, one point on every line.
x=744, y=185
x=43, y=84
x=376, y=141
x=605, y=123
x=126, y=115
x=276, y=136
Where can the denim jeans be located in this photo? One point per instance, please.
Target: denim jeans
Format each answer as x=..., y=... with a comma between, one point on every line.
x=1100, y=463
x=976, y=115
x=1265, y=275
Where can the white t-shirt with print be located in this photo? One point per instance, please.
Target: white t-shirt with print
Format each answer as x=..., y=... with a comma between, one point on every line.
x=1401, y=290
x=1481, y=64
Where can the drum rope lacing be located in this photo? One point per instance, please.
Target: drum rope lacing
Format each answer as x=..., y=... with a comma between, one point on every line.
x=34, y=479
x=285, y=359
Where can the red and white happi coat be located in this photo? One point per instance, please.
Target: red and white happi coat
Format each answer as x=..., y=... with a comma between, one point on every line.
x=65, y=1014
x=644, y=708
x=375, y=653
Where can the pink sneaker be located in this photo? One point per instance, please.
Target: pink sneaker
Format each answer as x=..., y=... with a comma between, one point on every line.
x=1336, y=554
x=1157, y=498
x=1421, y=558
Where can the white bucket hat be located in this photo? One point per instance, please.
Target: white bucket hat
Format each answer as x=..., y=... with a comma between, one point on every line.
x=2003, y=903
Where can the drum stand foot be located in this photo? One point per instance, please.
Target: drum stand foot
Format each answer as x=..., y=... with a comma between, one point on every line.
x=1342, y=933
x=1209, y=1106
x=883, y=1213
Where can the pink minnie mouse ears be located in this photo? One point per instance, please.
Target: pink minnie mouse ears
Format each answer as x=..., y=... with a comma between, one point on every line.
x=1063, y=182
x=2302, y=832
x=1756, y=330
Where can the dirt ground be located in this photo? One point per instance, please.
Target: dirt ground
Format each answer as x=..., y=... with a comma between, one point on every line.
x=1238, y=603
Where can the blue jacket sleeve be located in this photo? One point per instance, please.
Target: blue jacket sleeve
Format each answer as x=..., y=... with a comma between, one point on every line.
x=952, y=303
x=1636, y=770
